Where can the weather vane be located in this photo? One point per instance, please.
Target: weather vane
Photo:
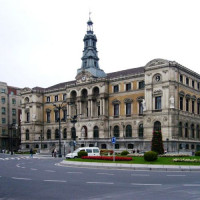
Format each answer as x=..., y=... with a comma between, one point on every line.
x=90, y=14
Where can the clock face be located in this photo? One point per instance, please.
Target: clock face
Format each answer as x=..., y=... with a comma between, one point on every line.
x=157, y=78
x=83, y=78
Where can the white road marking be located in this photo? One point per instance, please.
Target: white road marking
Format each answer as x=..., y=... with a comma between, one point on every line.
x=17, y=165
x=1, y=159
x=27, y=179
x=34, y=169
x=139, y=174
x=6, y=158
x=191, y=185
x=106, y=174
x=49, y=170
x=12, y=158
x=23, y=167
x=106, y=183
x=146, y=184
x=176, y=175
x=58, y=181
x=74, y=172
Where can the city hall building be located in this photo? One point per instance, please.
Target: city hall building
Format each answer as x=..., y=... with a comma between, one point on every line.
x=129, y=104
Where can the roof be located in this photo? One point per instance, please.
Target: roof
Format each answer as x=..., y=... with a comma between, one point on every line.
x=126, y=72
x=111, y=75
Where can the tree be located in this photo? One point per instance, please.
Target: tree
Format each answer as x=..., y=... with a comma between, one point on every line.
x=157, y=143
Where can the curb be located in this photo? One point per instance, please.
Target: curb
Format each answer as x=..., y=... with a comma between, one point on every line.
x=140, y=167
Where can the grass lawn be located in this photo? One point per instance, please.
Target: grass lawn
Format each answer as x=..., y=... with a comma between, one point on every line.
x=140, y=160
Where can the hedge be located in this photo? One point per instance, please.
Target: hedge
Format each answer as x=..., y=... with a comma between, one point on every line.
x=117, y=158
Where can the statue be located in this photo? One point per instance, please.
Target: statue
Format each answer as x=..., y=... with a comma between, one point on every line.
x=34, y=116
x=144, y=105
x=171, y=102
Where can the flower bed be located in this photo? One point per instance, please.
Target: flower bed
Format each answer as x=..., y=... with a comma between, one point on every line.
x=174, y=155
x=186, y=160
x=117, y=158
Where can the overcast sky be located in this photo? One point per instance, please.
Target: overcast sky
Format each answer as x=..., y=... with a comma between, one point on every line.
x=41, y=41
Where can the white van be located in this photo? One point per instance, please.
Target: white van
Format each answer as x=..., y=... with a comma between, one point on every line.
x=92, y=151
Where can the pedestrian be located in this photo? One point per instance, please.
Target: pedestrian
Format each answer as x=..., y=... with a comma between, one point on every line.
x=52, y=153
x=31, y=153
x=55, y=151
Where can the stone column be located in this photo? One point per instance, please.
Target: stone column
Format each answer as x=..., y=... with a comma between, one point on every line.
x=91, y=108
x=103, y=106
x=80, y=107
x=100, y=106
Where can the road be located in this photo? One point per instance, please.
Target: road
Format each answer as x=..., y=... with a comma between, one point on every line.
x=22, y=177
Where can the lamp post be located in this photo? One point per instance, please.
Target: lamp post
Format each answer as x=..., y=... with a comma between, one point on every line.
x=59, y=107
x=41, y=138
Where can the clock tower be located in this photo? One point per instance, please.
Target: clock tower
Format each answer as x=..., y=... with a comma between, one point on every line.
x=90, y=60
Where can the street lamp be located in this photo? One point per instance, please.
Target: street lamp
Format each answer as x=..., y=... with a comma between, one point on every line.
x=59, y=107
x=41, y=138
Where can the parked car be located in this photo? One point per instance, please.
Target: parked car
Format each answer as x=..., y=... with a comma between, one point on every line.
x=92, y=151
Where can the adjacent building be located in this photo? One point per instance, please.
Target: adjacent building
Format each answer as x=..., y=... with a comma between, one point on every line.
x=129, y=104
x=10, y=105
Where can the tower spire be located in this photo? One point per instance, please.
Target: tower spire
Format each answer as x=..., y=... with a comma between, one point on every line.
x=90, y=60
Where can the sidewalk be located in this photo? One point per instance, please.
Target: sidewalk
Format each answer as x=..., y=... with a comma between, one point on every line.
x=130, y=166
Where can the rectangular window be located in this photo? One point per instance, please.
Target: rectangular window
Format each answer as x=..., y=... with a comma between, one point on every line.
x=198, y=86
x=3, y=131
x=3, y=90
x=141, y=84
x=158, y=103
x=187, y=81
x=3, y=110
x=3, y=100
x=187, y=105
x=13, y=112
x=128, y=109
x=64, y=115
x=116, y=88
x=56, y=115
x=3, y=120
x=27, y=117
x=116, y=110
x=64, y=97
x=48, y=117
x=56, y=98
x=198, y=108
x=14, y=121
x=48, y=99
x=181, y=78
x=192, y=83
x=14, y=101
x=192, y=106
x=181, y=103
x=128, y=86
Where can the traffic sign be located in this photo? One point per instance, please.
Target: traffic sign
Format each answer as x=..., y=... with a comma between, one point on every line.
x=113, y=140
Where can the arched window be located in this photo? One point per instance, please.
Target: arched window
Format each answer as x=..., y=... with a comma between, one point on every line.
x=96, y=132
x=157, y=126
x=91, y=145
x=187, y=146
x=56, y=134
x=192, y=131
x=116, y=131
x=48, y=134
x=140, y=131
x=116, y=146
x=27, y=134
x=180, y=132
x=129, y=131
x=73, y=133
x=192, y=146
x=65, y=133
x=186, y=130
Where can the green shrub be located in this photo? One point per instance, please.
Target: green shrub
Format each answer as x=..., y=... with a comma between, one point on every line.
x=197, y=153
x=150, y=156
x=82, y=153
x=124, y=153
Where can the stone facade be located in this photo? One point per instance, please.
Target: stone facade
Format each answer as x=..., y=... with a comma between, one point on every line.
x=128, y=104
x=10, y=106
